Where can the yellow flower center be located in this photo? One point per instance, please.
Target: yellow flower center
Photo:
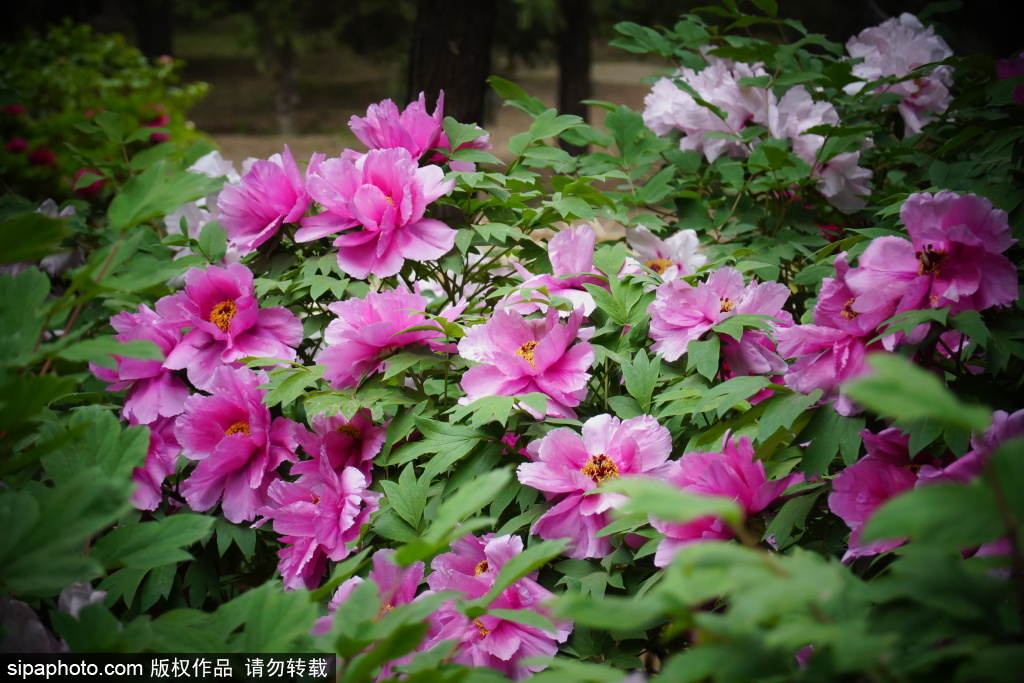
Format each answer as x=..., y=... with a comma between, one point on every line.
x=484, y=631
x=659, y=265
x=390, y=200
x=599, y=468
x=848, y=311
x=912, y=467
x=526, y=351
x=481, y=568
x=222, y=314
x=237, y=428
x=384, y=609
x=726, y=306
x=348, y=430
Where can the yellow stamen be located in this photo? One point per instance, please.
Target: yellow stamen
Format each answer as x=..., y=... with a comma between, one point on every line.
x=484, y=631
x=600, y=468
x=237, y=428
x=726, y=306
x=481, y=568
x=659, y=265
x=526, y=351
x=931, y=261
x=222, y=314
x=848, y=313
x=348, y=430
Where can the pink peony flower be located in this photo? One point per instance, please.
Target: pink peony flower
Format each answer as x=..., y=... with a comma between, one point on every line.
x=490, y=640
x=271, y=193
x=954, y=258
x=667, y=106
x=520, y=356
x=396, y=586
x=317, y=518
x=567, y=466
x=369, y=329
x=385, y=196
x=153, y=390
x=1011, y=68
x=237, y=445
x=341, y=442
x=835, y=348
x=897, y=47
x=227, y=323
x=681, y=313
x=160, y=464
x=1004, y=426
x=413, y=130
x=571, y=253
x=733, y=473
x=671, y=258
x=862, y=487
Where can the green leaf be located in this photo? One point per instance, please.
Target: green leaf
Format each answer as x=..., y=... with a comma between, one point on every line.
x=783, y=410
x=101, y=351
x=662, y=501
x=611, y=612
x=484, y=410
x=155, y=193
x=641, y=376
x=901, y=390
x=702, y=356
x=213, y=242
x=30, y=237
x=275, y=620
x=100, y=441
x=22, y=303
x=148, y=545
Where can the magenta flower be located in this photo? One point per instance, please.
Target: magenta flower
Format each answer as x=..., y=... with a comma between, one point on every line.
x=671, y=258
x=954, y=258
x=489, y=640
x=271, y=193
x=896, y=47
x=236, y=443
x=1011, y=68
x=667, y=106
x=568, y=465
x=385, y=196
x=1004, y=426
x=413, y=130
x=571, y=253
x=161, y=459
x=681, y=313
x=862, y=487
x=317, y=518
x=733, y=473
x=520, y=356
x=835, y=348
x=368, y=330
x=396, y=586
x=220, y=306
x=341, y=442
x=153, y=391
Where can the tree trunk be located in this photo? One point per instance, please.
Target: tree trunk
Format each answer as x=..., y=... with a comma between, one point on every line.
x=451, y=51
x=574, y=62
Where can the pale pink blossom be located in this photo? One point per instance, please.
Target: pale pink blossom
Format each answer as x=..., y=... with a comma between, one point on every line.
x=571, y=253
x=670, y=258
x=270, y=194
x=667, y=106
x=681, y=313
x=384, y=196
x=489, y=640
x=368, y=330
x=154, y=391
x=520, y=356
x=236, y=443
x=317, y=519
x=568, y=465
x=220, y=306
x=733, y=473
x=897, y=47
